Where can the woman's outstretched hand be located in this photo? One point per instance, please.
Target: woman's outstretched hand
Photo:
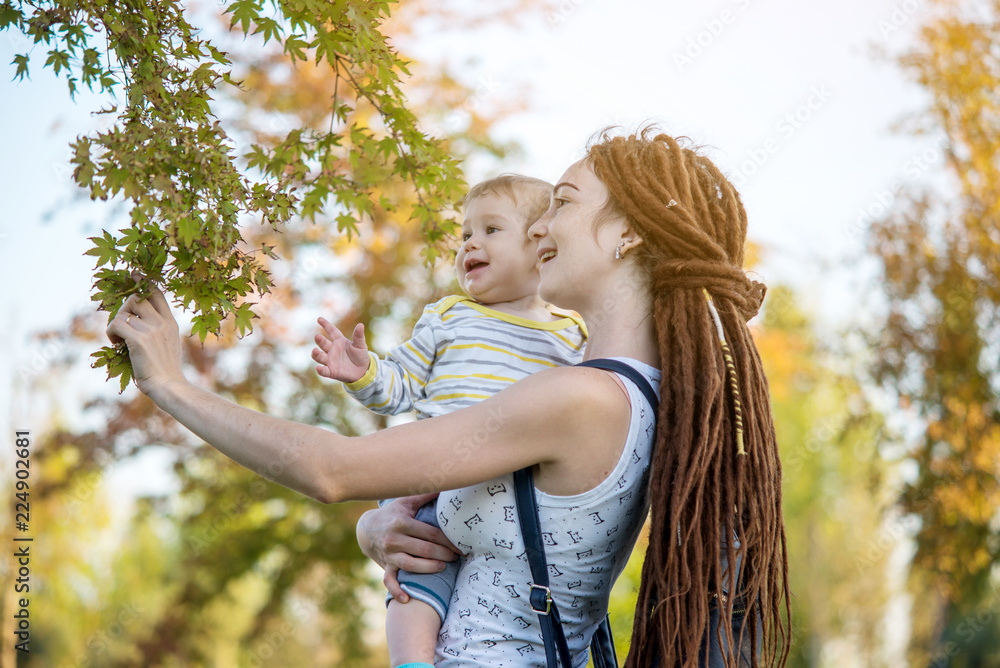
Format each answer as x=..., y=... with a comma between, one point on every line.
x=149, y=330
x=339, y=358
x=394, y=540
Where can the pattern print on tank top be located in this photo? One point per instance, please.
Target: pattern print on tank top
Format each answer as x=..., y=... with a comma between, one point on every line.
x=587, y=538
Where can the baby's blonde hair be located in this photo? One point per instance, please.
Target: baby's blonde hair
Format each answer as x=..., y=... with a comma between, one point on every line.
x=531, y=196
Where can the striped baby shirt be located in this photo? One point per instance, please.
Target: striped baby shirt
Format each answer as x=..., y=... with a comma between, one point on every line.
x=462, y=352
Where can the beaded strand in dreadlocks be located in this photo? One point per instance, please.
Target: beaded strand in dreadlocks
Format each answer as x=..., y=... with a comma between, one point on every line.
x=704, y=487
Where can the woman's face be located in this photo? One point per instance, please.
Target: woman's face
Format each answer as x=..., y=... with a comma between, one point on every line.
x=574, y=257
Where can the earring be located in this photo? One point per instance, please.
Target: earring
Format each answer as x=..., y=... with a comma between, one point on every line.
x=618, y=251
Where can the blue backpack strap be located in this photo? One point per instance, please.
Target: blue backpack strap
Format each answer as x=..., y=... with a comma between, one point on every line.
x=630, y=373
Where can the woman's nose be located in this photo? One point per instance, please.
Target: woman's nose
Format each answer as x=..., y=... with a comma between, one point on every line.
x=538, y=229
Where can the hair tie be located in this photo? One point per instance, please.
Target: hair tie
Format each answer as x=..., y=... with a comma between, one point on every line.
x=722, y=278
x=731, y=370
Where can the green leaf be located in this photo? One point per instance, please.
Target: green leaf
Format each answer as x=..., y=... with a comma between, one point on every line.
x=244, y=12
x=126, y=376
x=21, y=61
x=9, y=16
x=268, y=27
x=198, y=328
x=313, y=203
x=295, y=47
x=244, y=316
x=104, y=250
x=59, y=60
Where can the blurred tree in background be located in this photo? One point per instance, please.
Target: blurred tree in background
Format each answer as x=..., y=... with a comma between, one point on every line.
x=171, y=159
x=232, y=570
x=938, y=346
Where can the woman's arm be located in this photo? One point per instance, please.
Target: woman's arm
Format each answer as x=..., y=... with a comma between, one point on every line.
x=558, y=418
x=298, y=456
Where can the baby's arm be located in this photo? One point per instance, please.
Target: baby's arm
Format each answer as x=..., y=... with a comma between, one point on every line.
x=387, y=386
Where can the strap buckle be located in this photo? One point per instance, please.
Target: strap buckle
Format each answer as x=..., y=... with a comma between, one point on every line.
x=546, y=592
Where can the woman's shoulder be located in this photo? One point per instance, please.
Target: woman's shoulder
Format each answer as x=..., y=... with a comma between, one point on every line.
x=570, y=393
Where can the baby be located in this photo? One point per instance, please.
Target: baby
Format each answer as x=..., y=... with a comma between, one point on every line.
x=463, y=350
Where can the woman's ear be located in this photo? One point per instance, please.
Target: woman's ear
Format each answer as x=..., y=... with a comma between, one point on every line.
x=629, y=241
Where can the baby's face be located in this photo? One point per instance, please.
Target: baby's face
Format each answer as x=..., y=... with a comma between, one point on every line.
x=496, y=262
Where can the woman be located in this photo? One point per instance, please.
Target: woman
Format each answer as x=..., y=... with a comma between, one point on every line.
x=639, y=235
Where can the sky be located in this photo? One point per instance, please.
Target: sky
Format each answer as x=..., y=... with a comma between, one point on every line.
x=789, y=98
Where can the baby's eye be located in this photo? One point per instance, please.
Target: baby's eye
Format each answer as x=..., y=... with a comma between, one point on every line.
x=466, y=236
x=491, y=229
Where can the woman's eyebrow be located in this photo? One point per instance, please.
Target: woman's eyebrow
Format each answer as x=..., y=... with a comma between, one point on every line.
x=564, y=183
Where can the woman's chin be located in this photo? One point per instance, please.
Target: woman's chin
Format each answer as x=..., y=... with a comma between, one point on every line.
x=550, y=295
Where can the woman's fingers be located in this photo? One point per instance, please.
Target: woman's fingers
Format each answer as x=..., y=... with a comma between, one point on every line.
x=426, y=548
x=430, y=542
x=114, y=330
x=134, y=316
x=153, y=343
x=146, y=310
x=140, y=307
x=407, y=562
x=415, y=502
x=424, y=531
x=439, y=538
x=158, y=301
x=391, y=582
x=391, y=537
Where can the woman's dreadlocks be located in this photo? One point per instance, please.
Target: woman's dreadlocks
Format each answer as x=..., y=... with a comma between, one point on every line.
x=709, y=500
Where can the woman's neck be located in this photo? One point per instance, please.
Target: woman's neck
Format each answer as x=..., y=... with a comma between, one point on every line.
x=622, y=326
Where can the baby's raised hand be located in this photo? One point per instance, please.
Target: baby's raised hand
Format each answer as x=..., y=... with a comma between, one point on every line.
x=338, y=358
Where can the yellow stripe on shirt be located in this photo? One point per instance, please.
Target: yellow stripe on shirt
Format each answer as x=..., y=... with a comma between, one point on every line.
x=483, y=346
x=574, y=346
x=486, y=376
x=392, y=382
x=419, y=354
x=460, y=395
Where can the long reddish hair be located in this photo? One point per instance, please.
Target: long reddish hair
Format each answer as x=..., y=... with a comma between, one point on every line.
x=702, y=490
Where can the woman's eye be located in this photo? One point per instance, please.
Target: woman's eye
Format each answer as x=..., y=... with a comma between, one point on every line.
x=558, y=202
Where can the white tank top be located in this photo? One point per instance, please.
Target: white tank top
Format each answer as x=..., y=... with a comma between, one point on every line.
x=588, y=538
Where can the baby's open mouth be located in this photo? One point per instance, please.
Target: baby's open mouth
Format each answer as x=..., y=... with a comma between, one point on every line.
x=475, y=264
